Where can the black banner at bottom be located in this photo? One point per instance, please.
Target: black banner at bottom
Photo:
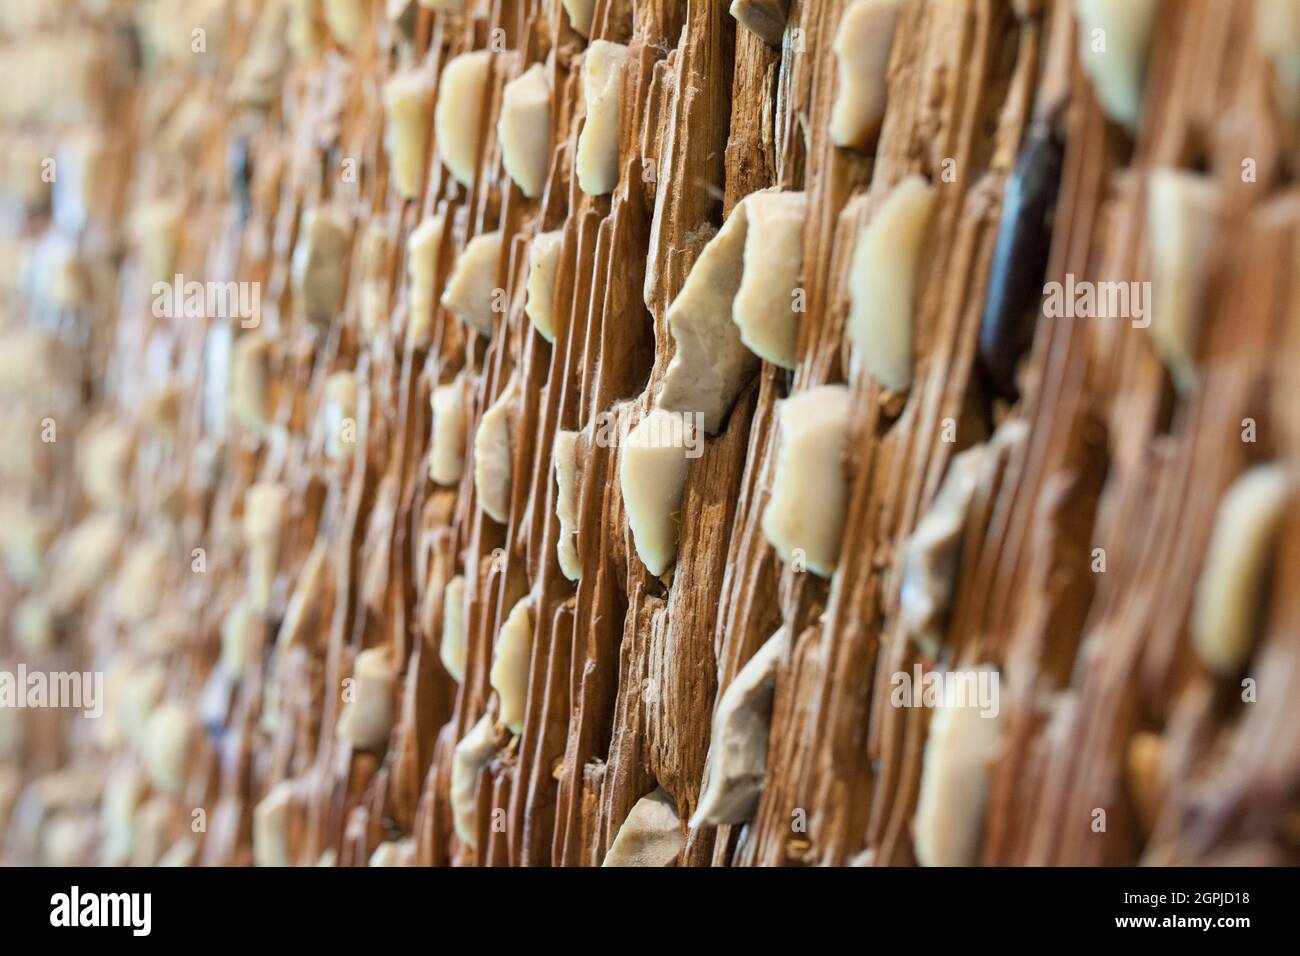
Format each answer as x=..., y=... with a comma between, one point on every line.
x=335, y=906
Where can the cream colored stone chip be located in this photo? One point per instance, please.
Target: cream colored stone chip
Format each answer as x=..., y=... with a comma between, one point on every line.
x=265, y=504
x=1277, y=34
x=104, y=457
x=738, y=749
x=457, y=117
x=493, y=459
x=650, y=836
x=510, y=662
x=1114, y=36
x=453, y=648
x=238, y=639
x=250, y=373
x=883, y=280
x=804, y=518
x=543, y=264
x=137, y=592
x=470, y=756
x=168, y=740
x=580, y=13
x=524, y=129
x=394, y=853
x=447, y=454
x=750, y=272
x=27, y=358
x=346, y=20
x=181, y=853
x=134, y=690
x=122, y=795
x=862, y=47
x=652, y=474
x=1226, y=615
x=33, y=628
x=163, y=635
x=152, y=821
x=962, y=745
x=1181, y=224
x=422, y=253
x=408, y=97
x=304, y=34
x=320, y=263
x=764, y=307
x=367, y=719
x=602, y=84
x=80, y=559
x=375, y=288
x=340, y=413
x=156, y=227
x=271, y=826
x=260, y=72
x=472, y=294
x=25, y=536
x=711, y=364
x=566, y=502
x=160, y=411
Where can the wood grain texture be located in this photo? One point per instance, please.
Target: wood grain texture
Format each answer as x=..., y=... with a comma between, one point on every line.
x=626, y=668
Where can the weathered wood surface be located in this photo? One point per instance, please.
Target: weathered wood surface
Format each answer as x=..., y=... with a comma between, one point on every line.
x=626, y=668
